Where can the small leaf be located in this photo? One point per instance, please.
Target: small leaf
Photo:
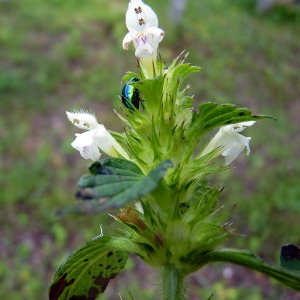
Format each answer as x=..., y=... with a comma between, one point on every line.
x=113, y=183
x=290, y=257
x=88, y=270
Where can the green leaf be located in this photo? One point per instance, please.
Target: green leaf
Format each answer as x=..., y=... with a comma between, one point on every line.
x=152, y=90
x=290, y=257
x=180, y=69
x=88, y=270
x=175, y=76
x=114, y=183
x=212, y=115
x=248, y=259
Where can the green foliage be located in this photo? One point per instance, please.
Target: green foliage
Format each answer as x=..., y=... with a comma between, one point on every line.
x=114, y=183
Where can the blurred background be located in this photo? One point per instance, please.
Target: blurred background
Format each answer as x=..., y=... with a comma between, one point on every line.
x=61, y=55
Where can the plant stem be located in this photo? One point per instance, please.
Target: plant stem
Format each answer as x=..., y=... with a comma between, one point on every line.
x=174, y=283
x=247, y=259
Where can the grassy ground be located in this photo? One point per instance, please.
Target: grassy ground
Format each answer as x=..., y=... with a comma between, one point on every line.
x=59, y=55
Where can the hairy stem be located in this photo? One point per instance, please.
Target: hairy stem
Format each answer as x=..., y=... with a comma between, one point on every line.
x=174, y=283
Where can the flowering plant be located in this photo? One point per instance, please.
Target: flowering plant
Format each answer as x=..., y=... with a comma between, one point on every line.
x=155, y=177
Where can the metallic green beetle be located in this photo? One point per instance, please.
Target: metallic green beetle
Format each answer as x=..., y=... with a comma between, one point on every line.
x=131, y=95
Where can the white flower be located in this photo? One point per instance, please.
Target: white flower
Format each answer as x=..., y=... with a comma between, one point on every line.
x=97, y=137
x=142, y=24
x=229, y=141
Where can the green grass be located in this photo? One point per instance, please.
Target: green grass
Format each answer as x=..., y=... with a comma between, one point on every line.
x=60, y=55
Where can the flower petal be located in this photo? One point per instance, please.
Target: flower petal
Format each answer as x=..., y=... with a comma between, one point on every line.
x=83, y=120
x=139, y=15
x=239, y=127
x=127, y=40
x=105, y=141
x=146, y=43
x=232, y=152
x=155, y=35
x=143, y=48
x=84, y=143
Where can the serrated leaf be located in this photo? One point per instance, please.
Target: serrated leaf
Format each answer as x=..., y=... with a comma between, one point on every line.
x=290, y=257
x=114, y=183
x=88, y=270
x=212, y=115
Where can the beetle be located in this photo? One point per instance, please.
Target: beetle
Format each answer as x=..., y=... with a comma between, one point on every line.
x=131, y=95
